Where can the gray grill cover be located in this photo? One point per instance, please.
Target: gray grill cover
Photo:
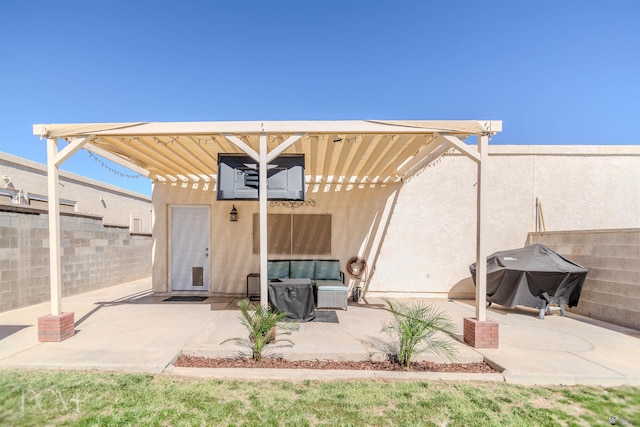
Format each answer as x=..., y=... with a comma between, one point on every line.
x=294, y=299
x=533, y=276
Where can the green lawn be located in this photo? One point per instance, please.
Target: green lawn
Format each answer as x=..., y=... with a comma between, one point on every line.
x=36, y=398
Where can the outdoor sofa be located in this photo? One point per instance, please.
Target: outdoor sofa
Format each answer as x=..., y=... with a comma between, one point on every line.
x=326, y=278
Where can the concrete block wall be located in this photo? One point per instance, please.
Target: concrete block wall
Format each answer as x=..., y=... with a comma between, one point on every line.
x=93, y=256
x=612, y=289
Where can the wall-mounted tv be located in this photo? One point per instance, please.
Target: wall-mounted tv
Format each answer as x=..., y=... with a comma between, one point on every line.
x=238, y=177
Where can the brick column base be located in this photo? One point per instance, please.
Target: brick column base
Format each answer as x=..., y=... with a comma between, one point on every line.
x=55, y=328
x=480, y=334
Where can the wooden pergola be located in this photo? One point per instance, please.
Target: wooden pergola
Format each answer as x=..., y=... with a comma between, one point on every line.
x=338, y=153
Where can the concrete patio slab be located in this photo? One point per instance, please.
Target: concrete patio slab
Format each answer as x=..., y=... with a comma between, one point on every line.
x=357, y=336
x=117, y=328
x=562, y=350
x=126, y=328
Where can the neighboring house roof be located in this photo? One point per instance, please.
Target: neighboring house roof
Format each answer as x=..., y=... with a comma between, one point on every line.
x=357, y=151
x=40, y=168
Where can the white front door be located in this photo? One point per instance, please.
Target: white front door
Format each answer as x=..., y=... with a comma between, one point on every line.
x=189, y=243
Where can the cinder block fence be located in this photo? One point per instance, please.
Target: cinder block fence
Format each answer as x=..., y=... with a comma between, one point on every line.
x=94, y=255
x=612, y=289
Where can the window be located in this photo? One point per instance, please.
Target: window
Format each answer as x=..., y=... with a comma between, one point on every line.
x=295, y=234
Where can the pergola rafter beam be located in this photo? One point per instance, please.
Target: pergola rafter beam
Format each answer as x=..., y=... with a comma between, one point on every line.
x=408, y=151
x=312, y=162
x=392, y=155
x=378, y=148
x=188, y=148
x=371, y=157
x=116, y=159
x=426, y=161
x=366, y=142
x=327, y=160
x=186, y=164
x=128, y=151
x=164, y=163
x=344, y=155
x=423, y=153
x=299, y=144
x=206, y=158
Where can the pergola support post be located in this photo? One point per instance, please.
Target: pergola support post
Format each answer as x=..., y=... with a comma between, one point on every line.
x=481, y=212
x=480, y=332
x=57, y=326
x=262, y=193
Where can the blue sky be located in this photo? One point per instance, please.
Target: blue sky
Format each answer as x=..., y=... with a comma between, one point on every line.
x=555, y=72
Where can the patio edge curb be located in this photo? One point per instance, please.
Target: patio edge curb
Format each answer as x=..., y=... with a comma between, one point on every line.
x=258, y=374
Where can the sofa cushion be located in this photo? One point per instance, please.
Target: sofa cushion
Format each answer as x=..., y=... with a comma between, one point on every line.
x=330, y=285
x=278, y=269
x=328, y=270
x=302, y=269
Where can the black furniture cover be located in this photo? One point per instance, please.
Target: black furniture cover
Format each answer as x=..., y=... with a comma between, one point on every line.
x=533, y=276
x=292, y=298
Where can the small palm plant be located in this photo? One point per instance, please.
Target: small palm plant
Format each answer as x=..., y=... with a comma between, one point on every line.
x=261, y=322
x=413, y=331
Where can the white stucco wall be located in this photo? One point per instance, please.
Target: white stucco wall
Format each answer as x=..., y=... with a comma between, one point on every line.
x=419, y=239
x=580, y=188
x=358, y=219
x=115, y=205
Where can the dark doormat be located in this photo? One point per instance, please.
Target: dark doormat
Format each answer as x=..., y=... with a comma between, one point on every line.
x=326, y=317
x=185, y=298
